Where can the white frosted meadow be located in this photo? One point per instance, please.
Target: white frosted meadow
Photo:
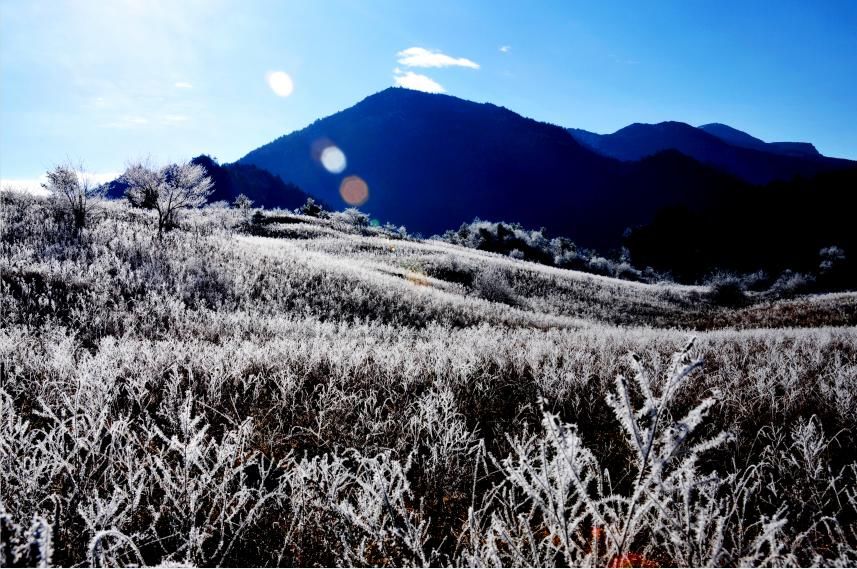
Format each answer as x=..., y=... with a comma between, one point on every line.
x=322, y=392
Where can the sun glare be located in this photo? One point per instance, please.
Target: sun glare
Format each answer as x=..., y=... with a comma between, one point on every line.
x=354, y=190
x=333, y=159
x=280, y=83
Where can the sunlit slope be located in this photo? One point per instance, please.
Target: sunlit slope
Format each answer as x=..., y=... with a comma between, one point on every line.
x=376, y=276
x=121, y=279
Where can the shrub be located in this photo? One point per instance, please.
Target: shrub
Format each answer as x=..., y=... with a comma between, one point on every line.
x=726, y=289
x=312, y=208
x=351, y=217
x=492, y=284
x=790, y=284
x=73, y=192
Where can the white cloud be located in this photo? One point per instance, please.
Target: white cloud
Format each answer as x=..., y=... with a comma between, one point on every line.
x=505, y=48
x=422, y=57
x=418, y=82
x=183, y=85
x=30, y=186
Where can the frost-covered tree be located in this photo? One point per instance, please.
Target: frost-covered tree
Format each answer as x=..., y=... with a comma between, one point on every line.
x=352, y=217
x=167, y=190
x=242, y=202
x=74, y=192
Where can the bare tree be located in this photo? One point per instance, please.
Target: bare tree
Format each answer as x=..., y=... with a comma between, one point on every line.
x=167, y=190
x=74, y=191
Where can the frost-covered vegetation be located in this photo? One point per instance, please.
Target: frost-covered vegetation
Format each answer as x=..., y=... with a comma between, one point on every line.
x=733, y=289
x=285, y=389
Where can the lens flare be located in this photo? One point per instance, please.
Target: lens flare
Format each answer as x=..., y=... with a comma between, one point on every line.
x=354, y=190
x=280, y=83
x=333, y=159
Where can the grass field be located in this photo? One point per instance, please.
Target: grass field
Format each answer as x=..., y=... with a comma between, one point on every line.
x=330, y=395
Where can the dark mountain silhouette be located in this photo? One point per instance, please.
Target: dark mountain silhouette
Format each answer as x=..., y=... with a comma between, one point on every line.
x=264, y=188
x=740, y=138
x=720, y=146
x=231, y=180
x=781, y=226
x=432, y=162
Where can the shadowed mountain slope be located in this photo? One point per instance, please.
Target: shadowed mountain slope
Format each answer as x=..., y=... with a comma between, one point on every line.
x=231, y=180
x=740, y=138
x=721, y=146
x=432, y=162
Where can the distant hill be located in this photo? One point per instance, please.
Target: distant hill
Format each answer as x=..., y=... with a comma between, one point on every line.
x=231, y=180
x=783, y=225
x=740, y=138
x=264, y=188
x=432, y=162
x=718, y=145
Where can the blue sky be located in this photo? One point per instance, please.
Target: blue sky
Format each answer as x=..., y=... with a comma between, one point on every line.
x=104, y=82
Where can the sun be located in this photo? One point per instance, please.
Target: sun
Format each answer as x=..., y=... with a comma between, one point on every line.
x=280, y=83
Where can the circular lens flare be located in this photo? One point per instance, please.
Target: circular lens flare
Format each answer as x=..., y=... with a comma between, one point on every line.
x=333, y=159
x=280, y=83
x=354, y=190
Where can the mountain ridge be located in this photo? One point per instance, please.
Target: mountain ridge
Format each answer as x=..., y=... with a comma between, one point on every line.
x=432, y=162
x=718, y=145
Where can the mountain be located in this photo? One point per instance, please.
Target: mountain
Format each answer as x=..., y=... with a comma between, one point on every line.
x=231, y=180
x=778, y=227
x=264, y=188
x=740, y=138
x=432, y=162
x=721, y=146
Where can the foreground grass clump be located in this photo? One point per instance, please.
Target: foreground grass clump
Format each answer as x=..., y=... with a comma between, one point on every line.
x=327, y=397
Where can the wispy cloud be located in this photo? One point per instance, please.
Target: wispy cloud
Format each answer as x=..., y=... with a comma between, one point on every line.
x=422, y=57
x=505, y=48
x=418, y=82
x=183, y=85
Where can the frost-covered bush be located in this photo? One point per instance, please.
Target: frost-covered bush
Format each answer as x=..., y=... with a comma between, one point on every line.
x=790, y=284
x=351, y=217
x=503, y=238
x=518, y=243
x=74, y=194
x=727, y=289
x=492, y=284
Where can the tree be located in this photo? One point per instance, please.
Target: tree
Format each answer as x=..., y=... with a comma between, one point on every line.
x=242, y=202
x=75, y=192
x=311, y=208
x=168, y=190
